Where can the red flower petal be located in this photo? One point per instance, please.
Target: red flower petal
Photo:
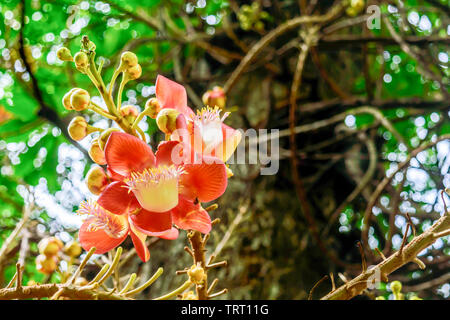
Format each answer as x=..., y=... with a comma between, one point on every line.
x=117, y=199
x=164, y=153
x=206, y=181
x=98, y=238
x=172, y=234
x=114, y=175
x=189, y=216
x=172, y=95
x=125, y=154
x=139, y=243
x=147, y=221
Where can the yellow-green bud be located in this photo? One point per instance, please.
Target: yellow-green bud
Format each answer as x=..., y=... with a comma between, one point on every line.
x=46, y=265
x=129, y=112
x=380, y=298
x=72, y=249
x=81, y=281
x=166, y=120
x=104, y=137
x=96, y=153
x=215, y=97
x=80, y=100
x=81, y=61
x=66, y=99
x=134, y=72
x=128, y=59
x=197, y=274
x=356, y=6
x=78, y=128
x=152, y=108
x=64, y=54
x=396, y=287
x=190, y=295
x=50, y=246
x=96, y=180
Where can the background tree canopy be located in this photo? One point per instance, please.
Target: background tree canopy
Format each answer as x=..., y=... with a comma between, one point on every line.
x=357, y=108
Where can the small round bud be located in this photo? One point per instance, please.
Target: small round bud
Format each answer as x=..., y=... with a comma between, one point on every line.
x=46, y=265
x=78, y=128
x=72, y=249
x=81, y=281
x=380, y=298
x=229, y=172
x=81, y=61
x=64, y=54
x=215, y=97
x=396, y=287
x=50, y=246
x=31, y=283
x=196, y=274
x=96, y=180
x=190, y=295
x=96, y=153
x=166, y=120
x=66, y=99
x=105, y=136
x=356, y=6
x=128, y=59
x=129, y=112
x=152, y=108
x=134, y=72
x=80, y=99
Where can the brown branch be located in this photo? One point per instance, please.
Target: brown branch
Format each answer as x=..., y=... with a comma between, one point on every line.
x=272, y=35
x=392, y=263
x=376, y=194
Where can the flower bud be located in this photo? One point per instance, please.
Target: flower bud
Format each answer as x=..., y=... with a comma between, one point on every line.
x=190, y=295
x=229, y=172
x=81, y=281
x=72, y=249
x=50, y=246
x=96, y=153
x=128, y=59
x=64, y=54
x=134, y=72
x=78, y=128
x=81, y=61
x=356, y=6
x=215, y=97
x=96, y=180
x=166, y=120
x=196, y=274
x=80, y=99
x=66, y=99
x=104, y=137
x=46, y=265
x=152, y=108
x=129, y=112
x=396, y=287
x=380, y=298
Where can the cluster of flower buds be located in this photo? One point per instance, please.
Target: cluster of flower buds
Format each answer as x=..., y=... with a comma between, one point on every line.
x=396, y=288
x=129, y=65
x=355, y=7
x=215, y=97
x=76, y=99
x=47, y=261
x=49, y=253
x=197, y=274
x=251, y=16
